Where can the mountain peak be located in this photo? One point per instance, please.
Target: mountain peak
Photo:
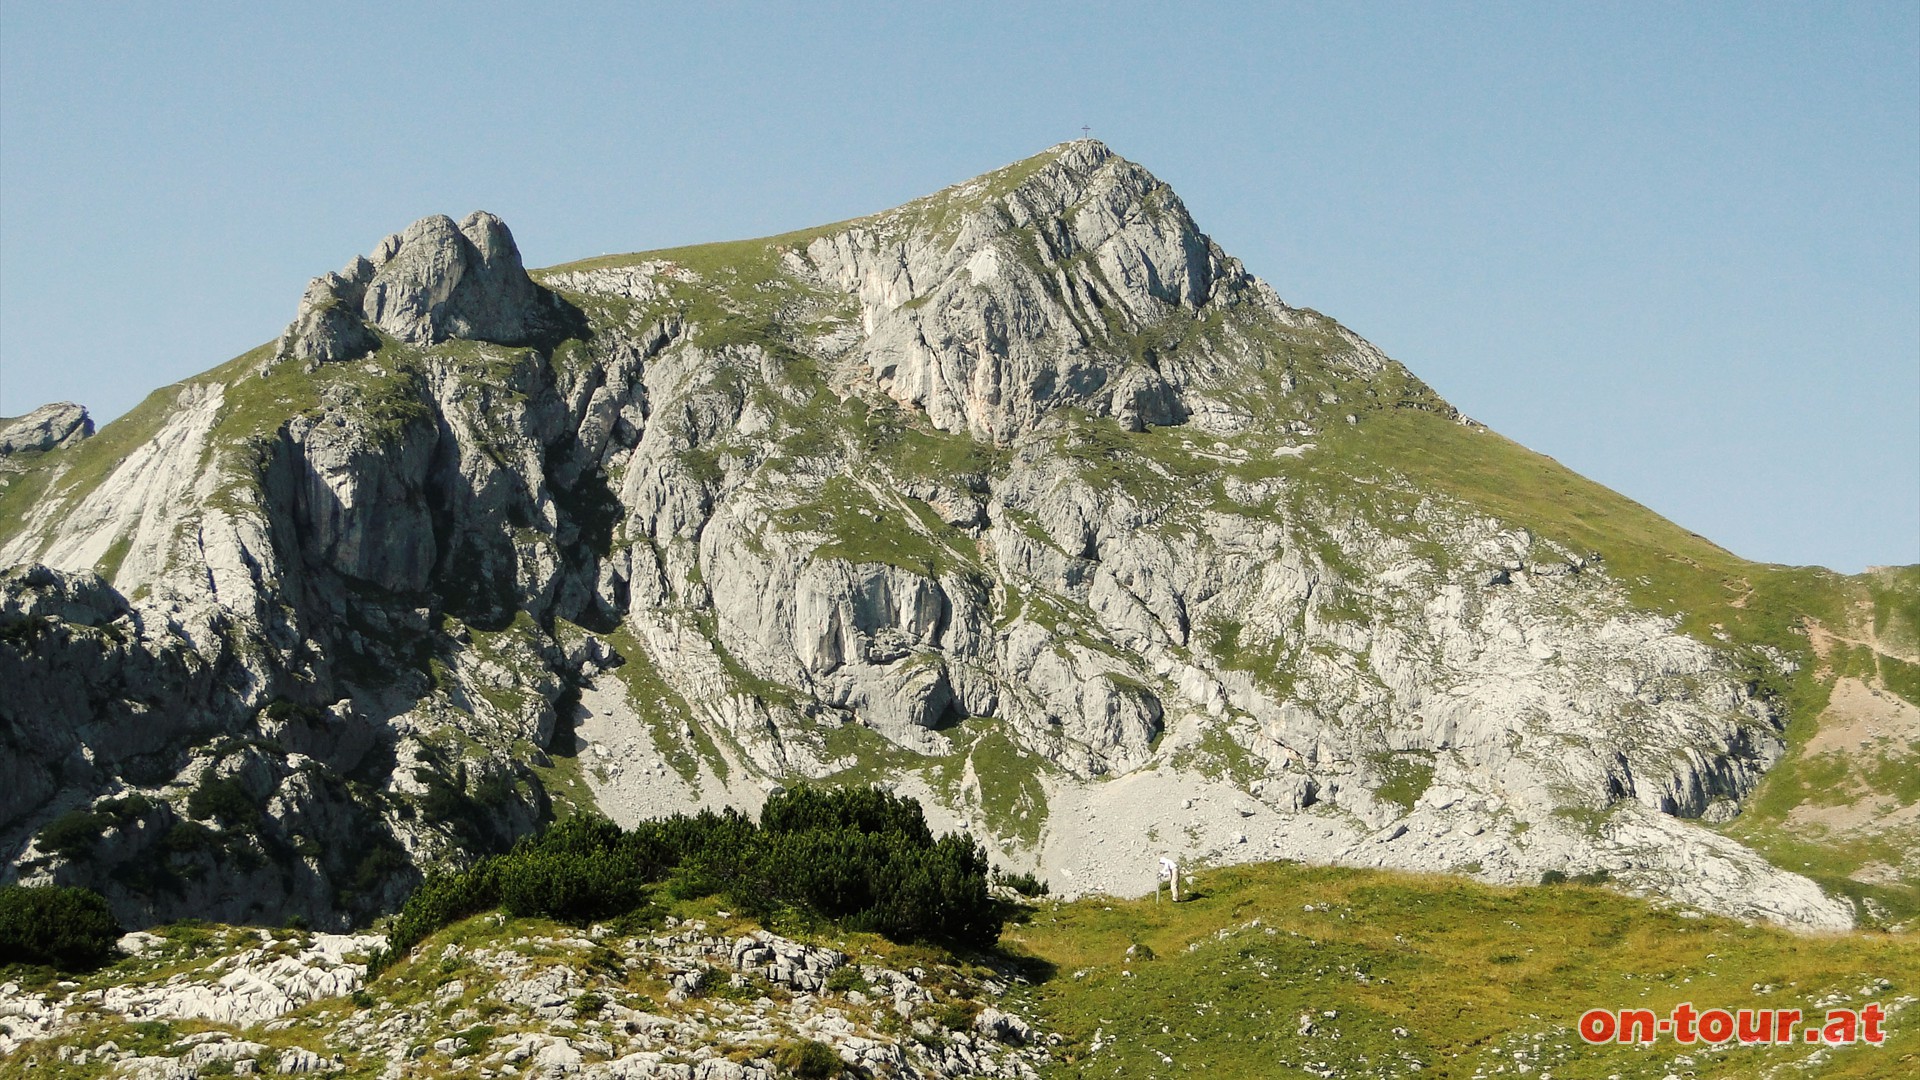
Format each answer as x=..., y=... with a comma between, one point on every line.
x=997, y=300
x=1026, y=482
x=62, y=423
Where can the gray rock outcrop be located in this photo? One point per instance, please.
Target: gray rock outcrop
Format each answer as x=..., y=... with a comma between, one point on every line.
x=431, y=283
x=554, y=1007
x=48, y=427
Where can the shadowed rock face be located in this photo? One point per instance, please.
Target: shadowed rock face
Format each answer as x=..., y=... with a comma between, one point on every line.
x=1020, y=496
x=434, y=282
x=46, y=428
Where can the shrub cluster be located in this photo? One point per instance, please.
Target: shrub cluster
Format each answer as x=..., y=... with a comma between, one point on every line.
x=69, y=929
x=224, y=799
x=809, y=1060
x=1026, y=884
x=74, y=833
x=861, y=857
x=1561, y=877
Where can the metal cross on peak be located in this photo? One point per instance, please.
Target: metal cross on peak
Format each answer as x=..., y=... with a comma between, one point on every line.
x=1085, y=131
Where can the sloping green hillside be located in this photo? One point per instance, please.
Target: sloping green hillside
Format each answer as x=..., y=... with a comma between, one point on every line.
x=1399, y=974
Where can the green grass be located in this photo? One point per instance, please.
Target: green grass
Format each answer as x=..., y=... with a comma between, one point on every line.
x=1469, y=972
x=858, y=527
x=1270, y=662
x=1663, y=567
x=1013, y=799
x=70, y=474
x=861, y=756
x=564, y=777
x=1219, y=755
x=1894, y=592
x=1405, y=777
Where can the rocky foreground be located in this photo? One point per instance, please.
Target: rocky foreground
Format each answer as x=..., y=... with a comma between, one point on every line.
x=691, y=1001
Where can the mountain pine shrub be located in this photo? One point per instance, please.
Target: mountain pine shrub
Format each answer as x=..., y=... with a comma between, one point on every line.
x=69, y=929
x=861, y=857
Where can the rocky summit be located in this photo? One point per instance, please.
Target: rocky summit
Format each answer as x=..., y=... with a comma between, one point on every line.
x=1024, y=498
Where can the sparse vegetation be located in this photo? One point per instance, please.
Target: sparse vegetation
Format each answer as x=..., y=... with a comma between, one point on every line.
x=224, y=799
x=807, y=1059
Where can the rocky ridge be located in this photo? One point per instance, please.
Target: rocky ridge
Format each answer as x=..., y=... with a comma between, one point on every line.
x=1024, y=496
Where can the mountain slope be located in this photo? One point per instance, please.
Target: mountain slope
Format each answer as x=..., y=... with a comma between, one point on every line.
x=1024, y=496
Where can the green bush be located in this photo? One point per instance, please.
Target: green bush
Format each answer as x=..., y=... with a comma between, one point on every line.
x=846, y=977
x=863, y=857
x=441, y=900
x=809, y=1060
x=190, y=836
x=958, y=1015
x=845, y=810
x=70, y=929
x=1025, y=884
x=226, y=800
x=74, y=833
x=565, y=885
x=1561, y=877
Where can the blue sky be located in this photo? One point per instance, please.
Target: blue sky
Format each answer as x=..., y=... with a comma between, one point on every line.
x=1675, y=247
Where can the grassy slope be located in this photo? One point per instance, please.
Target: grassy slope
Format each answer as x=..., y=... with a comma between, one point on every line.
x=1471, y=973
x=80, y=467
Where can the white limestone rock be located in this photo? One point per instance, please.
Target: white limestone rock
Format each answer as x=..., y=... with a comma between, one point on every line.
x=49, y=427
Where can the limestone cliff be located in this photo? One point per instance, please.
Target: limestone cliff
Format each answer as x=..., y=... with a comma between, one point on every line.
x=1024, y=496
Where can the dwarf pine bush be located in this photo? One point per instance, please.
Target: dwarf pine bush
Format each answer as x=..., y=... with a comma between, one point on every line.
x=860, y=857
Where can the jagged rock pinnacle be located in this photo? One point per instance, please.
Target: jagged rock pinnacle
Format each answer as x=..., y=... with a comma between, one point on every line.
x=435, y=281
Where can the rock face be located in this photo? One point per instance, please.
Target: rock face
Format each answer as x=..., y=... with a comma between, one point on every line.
x=434, y=282
x=1024, y=496
x=46, y=428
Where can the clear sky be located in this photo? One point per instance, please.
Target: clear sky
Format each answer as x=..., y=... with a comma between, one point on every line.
x=1675, y=246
